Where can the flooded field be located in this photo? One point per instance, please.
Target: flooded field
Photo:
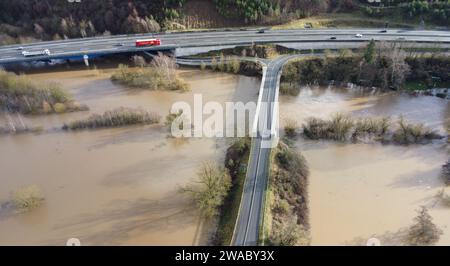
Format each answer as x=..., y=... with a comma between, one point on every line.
x=358, y=191
x=120, y=186
x=112, y=186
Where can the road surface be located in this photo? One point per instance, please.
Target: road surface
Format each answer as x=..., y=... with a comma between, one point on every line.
x=311, y=38
x=246, y=232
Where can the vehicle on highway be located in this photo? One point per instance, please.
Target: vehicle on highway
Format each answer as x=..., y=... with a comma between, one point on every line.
x=358, y=35
x=261, y=30
x=383, y=31
x=119, y=44
x=36, y=53
x=19, y=48
x=333, y=38
x=148, y=42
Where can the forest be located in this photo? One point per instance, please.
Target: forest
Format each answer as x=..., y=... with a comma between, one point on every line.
x=58, y=19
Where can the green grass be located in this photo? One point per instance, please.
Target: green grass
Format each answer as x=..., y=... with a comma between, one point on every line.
x=420, y=85
x=345, y=20
x=415, y=85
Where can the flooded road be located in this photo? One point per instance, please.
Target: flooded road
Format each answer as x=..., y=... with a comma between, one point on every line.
x=115, y=186
x=358, y=191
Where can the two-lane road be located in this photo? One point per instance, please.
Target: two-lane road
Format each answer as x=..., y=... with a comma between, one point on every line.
x=246, y=232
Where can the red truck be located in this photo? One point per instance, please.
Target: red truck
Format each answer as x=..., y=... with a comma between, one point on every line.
x=148, y=42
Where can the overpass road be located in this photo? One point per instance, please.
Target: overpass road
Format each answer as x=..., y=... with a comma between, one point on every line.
x=126, y=43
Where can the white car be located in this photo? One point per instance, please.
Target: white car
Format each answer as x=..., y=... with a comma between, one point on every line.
x=358, y=35
x=36, y=53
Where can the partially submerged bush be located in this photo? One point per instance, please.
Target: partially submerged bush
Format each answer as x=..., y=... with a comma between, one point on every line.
x=446, y=172
x=27, y=198
x=20, y=94
x=290, y=128
x=210, y=189
x=160, y=76
x=424, y=232
x=338, y=128
x=368, y=126
x=342, y=128
x=115, y=118
x=444, y=197
x=407, y=133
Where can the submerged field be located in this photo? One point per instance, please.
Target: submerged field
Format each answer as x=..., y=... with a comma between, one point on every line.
x=358, y=191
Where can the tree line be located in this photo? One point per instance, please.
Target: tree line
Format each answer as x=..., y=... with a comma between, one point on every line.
x=57, y=19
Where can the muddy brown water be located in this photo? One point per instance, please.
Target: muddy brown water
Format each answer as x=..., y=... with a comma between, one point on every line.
x=359, y=191
x=112, y=186
x=120, y=186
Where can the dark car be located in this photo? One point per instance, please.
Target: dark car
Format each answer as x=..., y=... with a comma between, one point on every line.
x=332, y=38
x=261, y=30
x=383, y=31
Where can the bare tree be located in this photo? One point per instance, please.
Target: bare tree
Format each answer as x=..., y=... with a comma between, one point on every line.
x=166, y=67
x=398, y=68
x=209, y=189
x=424, y=232
x=139, y=61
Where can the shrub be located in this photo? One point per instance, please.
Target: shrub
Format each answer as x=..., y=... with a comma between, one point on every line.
x=444, y=198
x=115, y=118
x=281, y=207
x=341, y=127
x=235, y=65
x=221, y=64
x=338, y=128
x=289, y=233
x=214, y=64
x=27, y=198
x=290, y=128
x=202, y=66
x=210, y=189
x=154, y=77
x=371, y=126
x=424, y=232
x=292, y=89
x=446, y=172
x=407, y=133
x=20, y=94
x=59, y=108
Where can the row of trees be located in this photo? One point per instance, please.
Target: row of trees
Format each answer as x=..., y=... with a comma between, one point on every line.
x=383, y=65
x=436, y=11
x=49, y=19
x=54, y=19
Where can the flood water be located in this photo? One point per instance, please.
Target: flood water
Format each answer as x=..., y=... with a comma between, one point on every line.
x=359, y=191
x=120, y=186
x=112, y=186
